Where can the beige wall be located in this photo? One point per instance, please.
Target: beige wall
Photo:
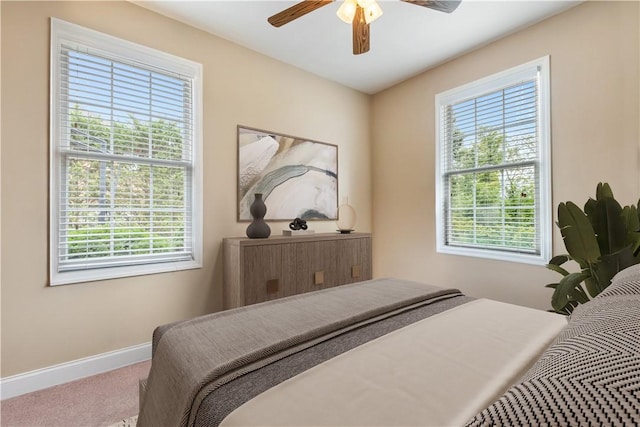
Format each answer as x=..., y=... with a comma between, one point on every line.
x=594, y=51
x=43, y=326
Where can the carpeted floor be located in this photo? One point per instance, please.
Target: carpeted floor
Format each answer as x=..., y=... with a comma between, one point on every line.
x=108, y=399
x=128, y=422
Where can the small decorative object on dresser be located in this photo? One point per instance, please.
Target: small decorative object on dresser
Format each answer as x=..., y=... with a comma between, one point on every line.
x=258, y=229
x=346, y=217
x=296, y=227
x=297, y=232
x=298, y=224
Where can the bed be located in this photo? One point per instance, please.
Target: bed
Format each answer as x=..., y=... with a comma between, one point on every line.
x=395, y=352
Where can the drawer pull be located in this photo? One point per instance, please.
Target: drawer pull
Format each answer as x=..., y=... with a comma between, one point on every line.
x=355, y=271
x=318, y=277
x=272, y=286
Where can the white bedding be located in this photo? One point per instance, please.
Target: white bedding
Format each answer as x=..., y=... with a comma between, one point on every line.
x=439, y=371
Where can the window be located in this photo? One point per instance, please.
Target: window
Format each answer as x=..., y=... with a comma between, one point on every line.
x=125, y=185
x=493, y=170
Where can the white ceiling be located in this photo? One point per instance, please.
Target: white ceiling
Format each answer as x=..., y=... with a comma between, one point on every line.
x=405, y=41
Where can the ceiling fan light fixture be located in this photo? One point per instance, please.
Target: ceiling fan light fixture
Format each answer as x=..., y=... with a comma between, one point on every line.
x=358, y=13
x=347, y=11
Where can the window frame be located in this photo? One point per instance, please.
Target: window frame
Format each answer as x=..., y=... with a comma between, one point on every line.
x=65, y=32
x=476, y=89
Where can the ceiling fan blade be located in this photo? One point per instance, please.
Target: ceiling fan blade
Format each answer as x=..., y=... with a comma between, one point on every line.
x=360, y=32
x=447, y=6
x=296, y=11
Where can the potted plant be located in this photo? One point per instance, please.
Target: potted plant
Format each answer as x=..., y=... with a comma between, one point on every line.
x=603, y=239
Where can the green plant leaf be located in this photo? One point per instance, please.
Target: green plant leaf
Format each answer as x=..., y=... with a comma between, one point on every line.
x=603, y=190
x=603, y=240
x=611, y=264
x=589, y=206
x=557, y=269
x=634, y=236
x=559, y=259
x=631, y=218
x=565, y=291
x=609, y=225
x=556, y=262
x=577, y=232
x=578, y=294
x=592, y=284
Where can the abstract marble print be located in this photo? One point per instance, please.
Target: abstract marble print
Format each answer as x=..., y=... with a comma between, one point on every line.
x=298, y=178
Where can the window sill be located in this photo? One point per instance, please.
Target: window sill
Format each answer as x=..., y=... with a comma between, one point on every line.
x=81, y=276
x=495, y=255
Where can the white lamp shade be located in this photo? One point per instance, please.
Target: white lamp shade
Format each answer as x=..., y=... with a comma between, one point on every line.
x=365, y=3
x=347, y=11
x=372, y=12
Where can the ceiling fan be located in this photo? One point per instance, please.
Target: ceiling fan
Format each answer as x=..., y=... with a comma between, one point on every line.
x=358, y=13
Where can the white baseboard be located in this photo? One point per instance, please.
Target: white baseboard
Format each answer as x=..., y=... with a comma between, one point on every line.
x=39, y=379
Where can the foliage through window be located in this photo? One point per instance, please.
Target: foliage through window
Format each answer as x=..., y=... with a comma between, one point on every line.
x=125, y=181
x=493, y=185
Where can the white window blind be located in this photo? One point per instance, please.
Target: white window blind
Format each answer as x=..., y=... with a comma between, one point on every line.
x=492, y=176
x=123, y=158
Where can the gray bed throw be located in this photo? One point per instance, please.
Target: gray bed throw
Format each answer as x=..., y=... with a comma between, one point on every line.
x=195, y=357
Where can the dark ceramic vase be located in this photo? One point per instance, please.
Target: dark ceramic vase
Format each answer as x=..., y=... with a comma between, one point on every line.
x=258, y=229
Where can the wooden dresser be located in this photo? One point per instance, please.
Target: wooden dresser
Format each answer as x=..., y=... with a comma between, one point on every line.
x=257, y=270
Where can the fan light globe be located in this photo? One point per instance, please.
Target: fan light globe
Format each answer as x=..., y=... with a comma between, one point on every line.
x=347, y=11
x=372, y=12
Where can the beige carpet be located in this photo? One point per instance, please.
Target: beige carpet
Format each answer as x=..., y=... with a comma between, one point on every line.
x=100, y=400
x=127, y=422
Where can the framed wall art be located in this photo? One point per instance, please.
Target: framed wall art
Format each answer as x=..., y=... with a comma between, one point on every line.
x=297, y=177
